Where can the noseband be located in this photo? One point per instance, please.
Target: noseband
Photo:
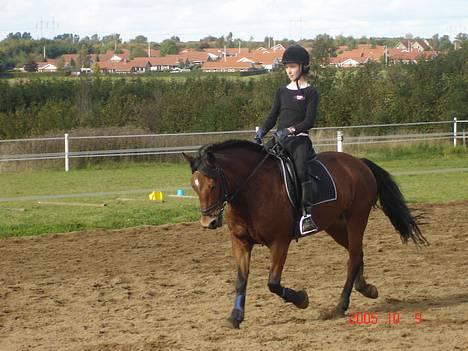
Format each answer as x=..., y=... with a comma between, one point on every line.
x=217, y=174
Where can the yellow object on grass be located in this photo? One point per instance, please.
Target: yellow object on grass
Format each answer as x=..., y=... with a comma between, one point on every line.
x=156, y=196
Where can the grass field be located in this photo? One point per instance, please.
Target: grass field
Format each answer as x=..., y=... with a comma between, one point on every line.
x=124, y=188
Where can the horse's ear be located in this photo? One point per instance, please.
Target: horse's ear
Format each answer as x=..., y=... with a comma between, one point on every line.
x=188, y=158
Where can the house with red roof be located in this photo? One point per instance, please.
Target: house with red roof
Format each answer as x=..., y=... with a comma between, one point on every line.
x=265, y=59
x=229, y=65
x=414, y=44
x=361, y=55
x=366, y=53
x=401, y=56
x=47, y=66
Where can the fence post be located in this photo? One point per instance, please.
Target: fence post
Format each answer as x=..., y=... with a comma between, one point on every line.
x=454, y=131
x=67, y=155
x=339, y=141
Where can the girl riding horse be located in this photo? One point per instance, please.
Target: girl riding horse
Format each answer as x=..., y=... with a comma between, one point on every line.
x=295, y=106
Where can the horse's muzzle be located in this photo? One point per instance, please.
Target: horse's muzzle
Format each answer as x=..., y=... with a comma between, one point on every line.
x=211, y=222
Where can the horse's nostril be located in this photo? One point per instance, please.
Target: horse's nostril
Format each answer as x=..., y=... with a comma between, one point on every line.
x=213, y=223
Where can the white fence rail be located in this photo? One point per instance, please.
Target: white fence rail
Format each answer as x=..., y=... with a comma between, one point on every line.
x=338, y=142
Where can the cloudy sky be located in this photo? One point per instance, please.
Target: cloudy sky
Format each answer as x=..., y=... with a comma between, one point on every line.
x=192, y=20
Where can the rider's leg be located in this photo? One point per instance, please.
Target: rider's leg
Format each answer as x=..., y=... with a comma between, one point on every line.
x=301, y=148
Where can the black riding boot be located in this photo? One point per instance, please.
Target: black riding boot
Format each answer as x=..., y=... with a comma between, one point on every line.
x=307, y=224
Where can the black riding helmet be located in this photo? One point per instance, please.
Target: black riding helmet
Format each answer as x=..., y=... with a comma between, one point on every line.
x=297, y=54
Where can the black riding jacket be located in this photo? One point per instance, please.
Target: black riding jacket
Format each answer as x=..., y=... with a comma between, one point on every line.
x=295, y=108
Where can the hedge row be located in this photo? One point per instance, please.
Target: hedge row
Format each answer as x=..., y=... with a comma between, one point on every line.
x=427, y=91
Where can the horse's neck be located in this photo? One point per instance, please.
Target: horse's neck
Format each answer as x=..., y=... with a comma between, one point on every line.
x=241, y=168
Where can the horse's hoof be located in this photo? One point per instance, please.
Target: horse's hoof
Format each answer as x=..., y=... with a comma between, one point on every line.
x=369, y=291
x=303, y=298
x=334, y=313
x=232, y=323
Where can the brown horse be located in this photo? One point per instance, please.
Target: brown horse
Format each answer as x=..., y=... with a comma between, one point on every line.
x=241, y=177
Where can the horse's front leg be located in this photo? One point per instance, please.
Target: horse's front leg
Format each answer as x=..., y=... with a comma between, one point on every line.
x=279, y=252
x=242, y=251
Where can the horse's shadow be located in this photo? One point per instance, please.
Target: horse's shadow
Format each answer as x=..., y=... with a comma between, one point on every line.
x=419, y=304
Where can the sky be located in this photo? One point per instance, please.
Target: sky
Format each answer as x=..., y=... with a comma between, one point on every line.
x=193, y=20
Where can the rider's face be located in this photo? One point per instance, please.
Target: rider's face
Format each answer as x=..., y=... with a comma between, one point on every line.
x=292, y=70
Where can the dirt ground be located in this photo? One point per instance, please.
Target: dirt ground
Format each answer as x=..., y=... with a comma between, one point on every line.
x=171, y=288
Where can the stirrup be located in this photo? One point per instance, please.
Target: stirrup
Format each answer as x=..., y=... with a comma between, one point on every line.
x=312, y=230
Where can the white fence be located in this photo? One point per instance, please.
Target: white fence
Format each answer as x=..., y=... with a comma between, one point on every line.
x=338, y=142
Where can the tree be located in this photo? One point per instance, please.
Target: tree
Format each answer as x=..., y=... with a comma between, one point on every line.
x=2, y=62
x=324, y=47
x=168, y=47
x=435, y=42
x=111, y=38
x=140, y=39
x=96, y=70
x=83, y=58
x=14, y=36
x=137, y=52
x=203, y=45
x=445, y=43
x=230, y=42
x=60, y=63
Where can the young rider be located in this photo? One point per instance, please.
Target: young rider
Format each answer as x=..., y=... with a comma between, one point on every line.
x=295, y=107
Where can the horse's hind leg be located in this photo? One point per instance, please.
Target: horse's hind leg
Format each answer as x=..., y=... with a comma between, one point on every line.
x=360, y=284
x=339, y=233
x=349, y=235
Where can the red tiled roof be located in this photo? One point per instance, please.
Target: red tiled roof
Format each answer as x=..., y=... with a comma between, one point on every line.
x=229, y=51
x=193, y=55
x=117, y=66
x=361, y=54
x=264, y=58
x=164, y=60
x=229, y=64
x=140, y=61
x=399, y=55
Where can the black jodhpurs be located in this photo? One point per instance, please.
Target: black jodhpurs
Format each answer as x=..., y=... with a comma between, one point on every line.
x=301, y=149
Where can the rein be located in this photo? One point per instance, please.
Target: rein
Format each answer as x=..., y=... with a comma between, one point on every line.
x=225, y=196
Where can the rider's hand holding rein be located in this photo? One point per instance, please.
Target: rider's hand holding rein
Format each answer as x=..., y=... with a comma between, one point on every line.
x=259, y=135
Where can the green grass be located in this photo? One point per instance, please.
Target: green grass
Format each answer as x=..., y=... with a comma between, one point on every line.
x=134, y=208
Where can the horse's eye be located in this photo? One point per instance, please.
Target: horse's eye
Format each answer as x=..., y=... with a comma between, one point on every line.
x=212, y=187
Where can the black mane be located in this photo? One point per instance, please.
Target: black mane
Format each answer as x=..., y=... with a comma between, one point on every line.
x=208, y=149
x=229, y=144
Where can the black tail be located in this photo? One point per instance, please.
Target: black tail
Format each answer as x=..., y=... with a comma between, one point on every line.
x=394, y=205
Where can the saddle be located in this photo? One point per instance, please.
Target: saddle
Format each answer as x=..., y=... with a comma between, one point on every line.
x=324, y=189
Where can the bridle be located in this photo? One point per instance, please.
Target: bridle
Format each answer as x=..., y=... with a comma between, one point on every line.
x=225, y=196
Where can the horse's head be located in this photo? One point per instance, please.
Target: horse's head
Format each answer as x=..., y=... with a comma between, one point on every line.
x=210, y=185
